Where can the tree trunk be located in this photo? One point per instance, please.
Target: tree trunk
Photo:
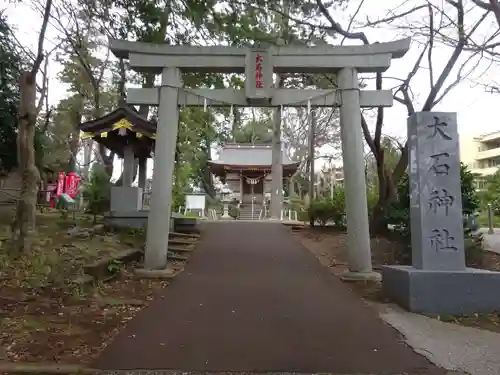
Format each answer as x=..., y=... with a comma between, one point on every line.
x=24, y=222
x=386, y=196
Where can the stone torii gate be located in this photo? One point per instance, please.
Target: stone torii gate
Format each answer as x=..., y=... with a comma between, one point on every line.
x=259, y=64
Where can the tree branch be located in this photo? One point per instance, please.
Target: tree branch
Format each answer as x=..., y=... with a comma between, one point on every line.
x=41, y=38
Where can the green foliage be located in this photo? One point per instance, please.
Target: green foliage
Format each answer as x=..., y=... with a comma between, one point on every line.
x=329, y=209
x=234, y=211
x=255, y=131
x=97, y=191
x=372, y=198
x=470, y=198
x=11, y=64
x=115, y=266
x=181, y=184
x=399, y=212
x=492, y=193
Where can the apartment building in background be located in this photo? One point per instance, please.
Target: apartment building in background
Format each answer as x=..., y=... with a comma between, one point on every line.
x=481, y=154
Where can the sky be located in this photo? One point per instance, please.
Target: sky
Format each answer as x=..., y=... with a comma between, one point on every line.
x=476, y=108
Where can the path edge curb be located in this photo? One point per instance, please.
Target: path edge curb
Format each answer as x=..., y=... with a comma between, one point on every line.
x=44, y=368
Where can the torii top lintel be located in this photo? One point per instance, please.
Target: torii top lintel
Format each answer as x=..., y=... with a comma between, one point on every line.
x=289, y=59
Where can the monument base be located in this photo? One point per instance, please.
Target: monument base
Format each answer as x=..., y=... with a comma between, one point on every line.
x=442, y=292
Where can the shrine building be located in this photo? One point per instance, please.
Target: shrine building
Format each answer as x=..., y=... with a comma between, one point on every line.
x=246, y=169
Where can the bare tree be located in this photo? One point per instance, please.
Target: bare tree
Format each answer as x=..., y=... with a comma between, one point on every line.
x=444, y=25
x=491, y=6
x=24, y=221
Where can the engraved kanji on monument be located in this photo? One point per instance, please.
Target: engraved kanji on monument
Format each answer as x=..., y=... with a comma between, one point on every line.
x=435, y=192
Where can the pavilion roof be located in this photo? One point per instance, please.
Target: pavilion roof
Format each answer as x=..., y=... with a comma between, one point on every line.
x=249, y=155
x=121, y=127
x=109, y=121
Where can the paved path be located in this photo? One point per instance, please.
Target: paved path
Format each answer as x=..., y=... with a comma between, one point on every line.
x=455, y=347
x=253, y=299
x=491, y=242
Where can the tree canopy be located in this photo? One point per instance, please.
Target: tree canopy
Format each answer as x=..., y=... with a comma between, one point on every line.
x=11, y=65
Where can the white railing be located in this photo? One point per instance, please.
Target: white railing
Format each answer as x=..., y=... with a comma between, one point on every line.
x=212, y=214
x=289, y=214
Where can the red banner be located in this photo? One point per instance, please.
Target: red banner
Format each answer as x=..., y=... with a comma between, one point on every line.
x=60, y=184
x=71, y=186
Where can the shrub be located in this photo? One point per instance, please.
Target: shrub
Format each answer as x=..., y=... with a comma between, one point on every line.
x=321, y=211
x=97, y=191
x=234, y=211
x=399, y=216
x=329, y=209
x=399, y=212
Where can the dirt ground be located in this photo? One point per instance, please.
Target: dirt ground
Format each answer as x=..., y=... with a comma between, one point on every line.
x=330, y=246
x=44, y=315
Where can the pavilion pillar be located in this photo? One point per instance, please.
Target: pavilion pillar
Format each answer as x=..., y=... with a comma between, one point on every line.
x=128, y=166
x=143, y=163
x=277, y=168
x=161, y=194
x=358, y=231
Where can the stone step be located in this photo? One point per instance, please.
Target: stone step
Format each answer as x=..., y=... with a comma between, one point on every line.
x=180, y=249
x=181, y=241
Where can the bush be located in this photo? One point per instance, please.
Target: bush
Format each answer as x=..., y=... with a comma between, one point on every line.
x=399, y=216
x=320, y=211
x=234, y=211
x=399, y=212
x=329, y=209
x=97, y=191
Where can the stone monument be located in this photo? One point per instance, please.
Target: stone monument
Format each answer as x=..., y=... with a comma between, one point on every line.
x=438, y=282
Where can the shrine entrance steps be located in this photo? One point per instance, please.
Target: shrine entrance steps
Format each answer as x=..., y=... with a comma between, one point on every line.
x=246, y=212
x=252, y=299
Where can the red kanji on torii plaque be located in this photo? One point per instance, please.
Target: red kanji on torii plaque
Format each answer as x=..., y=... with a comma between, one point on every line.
x=259, y=84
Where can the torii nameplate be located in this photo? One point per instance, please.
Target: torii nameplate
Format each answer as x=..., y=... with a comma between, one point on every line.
x=259, y=74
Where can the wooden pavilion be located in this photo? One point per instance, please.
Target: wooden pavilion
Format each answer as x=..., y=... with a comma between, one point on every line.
x=128, y=135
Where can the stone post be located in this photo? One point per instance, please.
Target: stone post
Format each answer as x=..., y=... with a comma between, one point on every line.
x=438, y=281
x=161, y=194
x=490, y=220
x=128, y=166
x=358, y=232
x=143, y=163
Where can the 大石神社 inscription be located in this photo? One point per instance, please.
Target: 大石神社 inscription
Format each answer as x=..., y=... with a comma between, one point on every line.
x=438, y=282
x=436, y=202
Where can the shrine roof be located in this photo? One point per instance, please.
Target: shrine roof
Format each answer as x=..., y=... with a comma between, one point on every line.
x=238, y=154
x=121, y=127
x=107, y=121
